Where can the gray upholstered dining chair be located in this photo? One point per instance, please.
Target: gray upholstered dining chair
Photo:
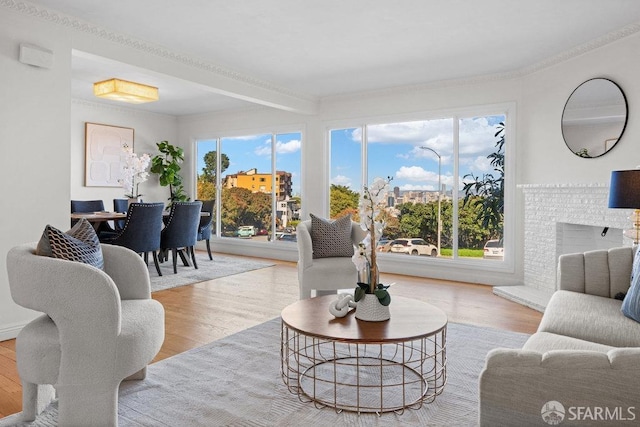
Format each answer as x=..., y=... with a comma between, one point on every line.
x=98, y=328
x=180, y=232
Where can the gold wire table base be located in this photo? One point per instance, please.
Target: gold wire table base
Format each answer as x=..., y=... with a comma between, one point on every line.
x=358, y=377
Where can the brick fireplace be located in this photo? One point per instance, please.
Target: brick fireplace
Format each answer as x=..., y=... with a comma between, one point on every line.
x=561, y=219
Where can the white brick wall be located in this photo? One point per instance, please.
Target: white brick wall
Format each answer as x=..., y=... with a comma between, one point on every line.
x=552, y=216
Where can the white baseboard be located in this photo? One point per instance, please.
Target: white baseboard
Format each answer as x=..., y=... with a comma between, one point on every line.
x=10, y=332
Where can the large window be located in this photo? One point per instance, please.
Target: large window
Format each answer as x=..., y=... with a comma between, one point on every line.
x=446, y=196
x=257, y=189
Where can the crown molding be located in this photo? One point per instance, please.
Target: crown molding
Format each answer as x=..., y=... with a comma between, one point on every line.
x=607, y=39
x=76, y=24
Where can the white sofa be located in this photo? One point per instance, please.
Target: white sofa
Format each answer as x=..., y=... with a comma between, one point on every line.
x=585, y=354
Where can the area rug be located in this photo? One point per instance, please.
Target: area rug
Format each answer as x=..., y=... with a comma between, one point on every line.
x=236, y=381
x=208, y=269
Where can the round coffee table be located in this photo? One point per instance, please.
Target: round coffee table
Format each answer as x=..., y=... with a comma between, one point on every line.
x=354, y=365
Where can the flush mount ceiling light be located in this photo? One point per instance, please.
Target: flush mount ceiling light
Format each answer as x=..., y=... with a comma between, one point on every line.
x=122, y=90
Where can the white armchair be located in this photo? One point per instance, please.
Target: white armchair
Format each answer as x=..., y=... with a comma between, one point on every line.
x=324, y=274
x=99, y=328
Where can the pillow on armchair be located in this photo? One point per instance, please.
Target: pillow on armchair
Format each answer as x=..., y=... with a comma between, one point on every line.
x=79, y=244
x=331, y=238
x=631, y=302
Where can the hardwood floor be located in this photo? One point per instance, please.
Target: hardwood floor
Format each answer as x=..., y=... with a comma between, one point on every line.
x=204, y=312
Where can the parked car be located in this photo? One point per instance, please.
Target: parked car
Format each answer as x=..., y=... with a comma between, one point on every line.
x=287, y=237
x=493, y=249
x=384, y=245
x=246, y=231
x=413, y=247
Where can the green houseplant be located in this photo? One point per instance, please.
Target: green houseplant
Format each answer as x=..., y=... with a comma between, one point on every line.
x=167, y=166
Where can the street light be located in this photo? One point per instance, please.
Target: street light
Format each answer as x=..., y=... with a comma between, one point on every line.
x=439, y=193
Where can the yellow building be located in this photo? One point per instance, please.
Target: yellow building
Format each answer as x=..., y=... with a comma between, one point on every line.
x=260, y=182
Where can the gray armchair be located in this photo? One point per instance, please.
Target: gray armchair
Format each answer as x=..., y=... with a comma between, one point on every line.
x=324, y=274
x=99, y=328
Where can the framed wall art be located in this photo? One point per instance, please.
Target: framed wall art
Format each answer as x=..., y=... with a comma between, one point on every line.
x=104, y=154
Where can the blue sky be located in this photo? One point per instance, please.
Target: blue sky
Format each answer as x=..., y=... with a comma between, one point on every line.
x=254, y=151
x=393, y=150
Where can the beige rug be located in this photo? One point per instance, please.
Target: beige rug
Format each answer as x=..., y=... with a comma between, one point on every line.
x=236, y=381
x=208, y=269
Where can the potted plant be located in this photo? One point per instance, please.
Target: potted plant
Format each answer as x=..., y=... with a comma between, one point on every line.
x=167, y=166
x=134, y=172
x=369, y=292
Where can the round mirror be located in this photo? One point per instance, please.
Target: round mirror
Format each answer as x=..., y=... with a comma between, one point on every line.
x=594, y=118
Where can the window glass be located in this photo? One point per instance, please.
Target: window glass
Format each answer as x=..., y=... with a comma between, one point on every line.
x=256, y=201
x=246, y=205
x=346, y=172
x=418, y=157
x=446, y=197
x=206, y=173
x=288, y=197
x=481, y=185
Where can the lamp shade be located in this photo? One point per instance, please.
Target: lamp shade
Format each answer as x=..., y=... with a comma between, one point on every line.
x=624, y=191
x=122, y=90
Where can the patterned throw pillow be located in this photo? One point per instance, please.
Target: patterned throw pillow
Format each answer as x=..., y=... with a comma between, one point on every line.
x=631, y=302
x=78, y=244
x=331, y=238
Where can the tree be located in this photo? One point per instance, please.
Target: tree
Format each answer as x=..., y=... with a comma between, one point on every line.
x=206, y=189
x=487, y=193
x=211, y=163
x=343, y=200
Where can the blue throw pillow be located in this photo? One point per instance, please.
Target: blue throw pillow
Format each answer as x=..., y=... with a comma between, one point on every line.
x=631, y=302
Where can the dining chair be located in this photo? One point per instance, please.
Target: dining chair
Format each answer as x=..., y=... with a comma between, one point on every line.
x=104, y=230
x=122, y=206
x=180, y=232
x=141, y=231
x=205, y=227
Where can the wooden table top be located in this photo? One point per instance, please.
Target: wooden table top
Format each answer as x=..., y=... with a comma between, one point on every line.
x=98, y=216
x=111, y=216
x=410, y=319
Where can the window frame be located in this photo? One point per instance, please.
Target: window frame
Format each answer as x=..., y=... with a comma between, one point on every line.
x=508, y=109
x=218, y=137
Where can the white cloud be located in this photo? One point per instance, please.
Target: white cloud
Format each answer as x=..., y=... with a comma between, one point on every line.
x=288, y=147
x=341, y=180
x=428, y=180
x=412, y=187
x=281, y=147
x=415, y=173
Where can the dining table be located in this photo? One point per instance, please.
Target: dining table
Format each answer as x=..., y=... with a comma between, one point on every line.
x=96, y=218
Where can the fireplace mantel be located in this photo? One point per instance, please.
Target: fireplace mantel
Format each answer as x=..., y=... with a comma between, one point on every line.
x=547, y=208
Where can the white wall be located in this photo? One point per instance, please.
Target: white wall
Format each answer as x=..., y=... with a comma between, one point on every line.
x=34, y=136
x=149, y=129
x=544, y=157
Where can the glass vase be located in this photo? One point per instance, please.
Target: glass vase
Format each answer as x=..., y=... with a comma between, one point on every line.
x=366, y=275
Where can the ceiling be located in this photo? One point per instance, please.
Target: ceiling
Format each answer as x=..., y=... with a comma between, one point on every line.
x=321, y=48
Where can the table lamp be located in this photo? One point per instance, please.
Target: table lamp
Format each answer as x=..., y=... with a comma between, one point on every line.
x=624, y=193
